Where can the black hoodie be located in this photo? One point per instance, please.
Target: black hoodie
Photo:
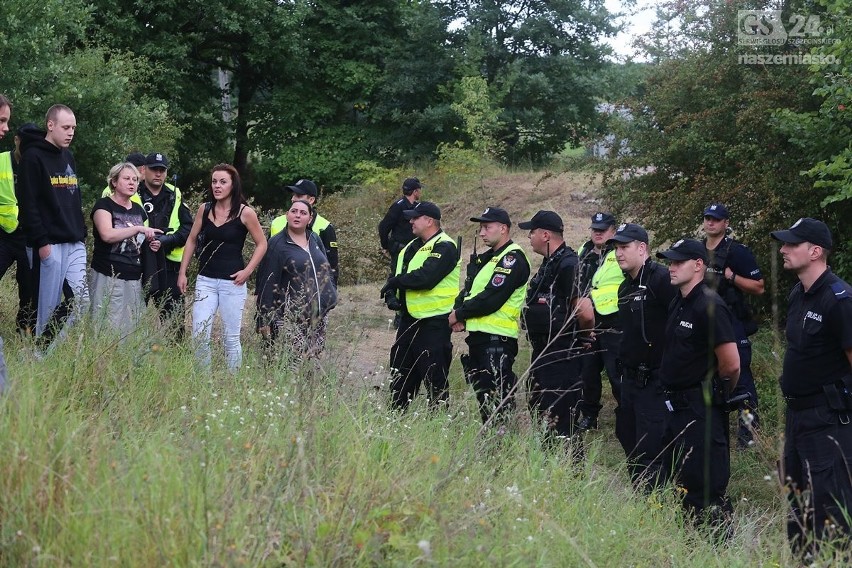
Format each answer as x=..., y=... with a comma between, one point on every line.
x=51, y=204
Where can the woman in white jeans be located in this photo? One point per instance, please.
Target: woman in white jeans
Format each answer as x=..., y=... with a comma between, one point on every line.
x=219, y=234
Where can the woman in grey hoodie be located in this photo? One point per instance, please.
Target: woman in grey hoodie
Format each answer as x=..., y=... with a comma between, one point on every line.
x=295, y=286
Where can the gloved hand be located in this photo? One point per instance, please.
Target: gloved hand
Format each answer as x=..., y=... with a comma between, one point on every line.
x=167, y=241
x=390, y=287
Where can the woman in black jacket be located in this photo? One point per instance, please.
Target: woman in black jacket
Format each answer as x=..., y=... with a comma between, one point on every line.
x=295, y=287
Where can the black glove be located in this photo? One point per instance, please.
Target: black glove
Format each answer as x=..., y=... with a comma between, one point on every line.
x=389, y=288
x=167, y=241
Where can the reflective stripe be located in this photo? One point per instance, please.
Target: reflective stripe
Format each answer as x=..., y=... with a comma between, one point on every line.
x=605, y=283
x=8, y=200
x=174, y=224
x=435, y=301
x=505, y=320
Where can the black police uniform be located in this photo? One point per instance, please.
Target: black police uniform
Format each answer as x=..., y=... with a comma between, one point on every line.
x=159, y=273
x=555, y=387
x=641, y=418
x=13, y=250
x=604, y=350
x=696, y=325
x=817, y=382
x=488, y=366
x=422, y=351
x=395, y=229
x=739, y=258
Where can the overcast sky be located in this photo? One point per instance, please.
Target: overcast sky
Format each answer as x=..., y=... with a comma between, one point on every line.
x=637, y=23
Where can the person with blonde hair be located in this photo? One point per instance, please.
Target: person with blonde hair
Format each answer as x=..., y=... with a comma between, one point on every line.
x=120, y=228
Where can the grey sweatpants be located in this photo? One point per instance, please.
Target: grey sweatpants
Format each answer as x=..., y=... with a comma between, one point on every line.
x=66, y=263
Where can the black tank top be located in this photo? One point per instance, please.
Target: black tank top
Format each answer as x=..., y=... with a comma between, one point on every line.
x=221, y=248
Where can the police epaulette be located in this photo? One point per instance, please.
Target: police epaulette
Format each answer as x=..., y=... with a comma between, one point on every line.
x=840, y=290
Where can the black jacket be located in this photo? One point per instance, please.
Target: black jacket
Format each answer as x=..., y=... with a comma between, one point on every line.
x=51, y=207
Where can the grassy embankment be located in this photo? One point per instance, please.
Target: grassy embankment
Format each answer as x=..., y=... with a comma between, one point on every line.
x=128, y=454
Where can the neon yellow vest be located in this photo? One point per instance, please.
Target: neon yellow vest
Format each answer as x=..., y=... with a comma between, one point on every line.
x=605, y=283
x=439, y=300
x=505, y=320
x=8, y=201
x=278, y=224
x=134, y=198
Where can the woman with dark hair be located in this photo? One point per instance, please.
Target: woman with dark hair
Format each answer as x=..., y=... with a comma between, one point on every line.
x=120, y=228
x=219, y=234
x=295, y=285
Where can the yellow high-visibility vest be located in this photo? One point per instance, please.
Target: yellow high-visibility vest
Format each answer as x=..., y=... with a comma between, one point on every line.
x=605, y=282
x=8, y=200
x=505, y=320
x=438, y=300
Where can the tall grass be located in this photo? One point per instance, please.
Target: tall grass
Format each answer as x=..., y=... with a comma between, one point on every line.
x=128, y=454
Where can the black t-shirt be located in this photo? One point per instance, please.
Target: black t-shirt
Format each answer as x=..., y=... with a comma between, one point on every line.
x=819, y=330
x=643, y=308
x=122, y=259
x=547, y=307
x=696, y=325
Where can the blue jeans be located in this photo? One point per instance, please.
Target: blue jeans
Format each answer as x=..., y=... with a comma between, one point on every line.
x=212, y=295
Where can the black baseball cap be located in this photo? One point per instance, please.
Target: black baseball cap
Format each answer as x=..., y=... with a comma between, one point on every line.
x=136, y=158
x=493, y=215
x=716, y=210
x=304, y=187
x=602, y=221
x=156, y=160
x=547, y=220
x=27, y=127
x=410, y=184
x=422, y=208
x=629, y=232
x=685, y=249
x=804, y=230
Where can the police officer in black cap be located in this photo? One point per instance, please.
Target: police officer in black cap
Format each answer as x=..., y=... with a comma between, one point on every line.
x=733, y=272
x=425, y=285
x=817, y=382
x=394, y=228
x=699, y=369
x=643, y=307
x=551, y=320
x=600, y=278
x=488, y=308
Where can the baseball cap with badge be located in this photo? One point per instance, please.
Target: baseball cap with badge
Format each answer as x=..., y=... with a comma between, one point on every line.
x=804, y=230
x=717, y=211
x=629, y=232
x=685, y=249
x=410, y=184
x=136, y=158
x=602, y=221
x=493, y=215
x=304, y=187
x=422, y=208
x=156, y=160
x=547, y=220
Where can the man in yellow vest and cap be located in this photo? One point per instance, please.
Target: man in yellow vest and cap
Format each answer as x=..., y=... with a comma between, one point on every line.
x=13, y=240
x=488, y=309
x=600, y=277
x=425, y=282
x=166, y=211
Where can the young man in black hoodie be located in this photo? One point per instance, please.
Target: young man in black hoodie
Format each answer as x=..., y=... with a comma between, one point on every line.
x=52, y=217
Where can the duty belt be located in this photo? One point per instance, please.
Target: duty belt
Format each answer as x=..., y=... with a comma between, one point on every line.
x=806, y=402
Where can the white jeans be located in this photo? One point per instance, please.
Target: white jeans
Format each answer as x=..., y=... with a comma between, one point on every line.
x=212, y=294
x=66, y=263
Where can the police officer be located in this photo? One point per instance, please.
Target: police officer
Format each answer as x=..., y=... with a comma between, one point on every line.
x=733, y=272
x=550, y=319
x=306, y=190
x=425, y=282
x=643, y=306
x=816, y=382
x=699, y=369
x=166, y=211
x=13, y=240
x=600, y=278
x=489, y=308
x=394, y=228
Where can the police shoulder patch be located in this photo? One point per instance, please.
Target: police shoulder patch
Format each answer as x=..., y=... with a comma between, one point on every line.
x=498, y=280
x=840, y=290
x=502, y=270
x=435, y=254
x=509, y=260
